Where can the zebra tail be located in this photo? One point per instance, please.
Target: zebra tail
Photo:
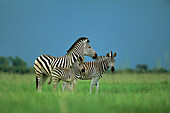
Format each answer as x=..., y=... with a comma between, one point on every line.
x=50, y=80
x=36, y=82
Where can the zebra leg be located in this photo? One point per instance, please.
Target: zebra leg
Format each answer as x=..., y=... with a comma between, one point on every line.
x=68, y=86
x=39, y=87
x=50, y=80
x=97, y=86
x=44, y=78
x=55, y=81
x=40, y=80
x=64, y=86
x=38, y=83
x=74, y=85
x=71, y=86
x=92, y=85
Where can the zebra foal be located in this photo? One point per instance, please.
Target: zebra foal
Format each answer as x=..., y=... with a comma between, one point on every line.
x=94, y=70
x=69, y=75
x=44, y=64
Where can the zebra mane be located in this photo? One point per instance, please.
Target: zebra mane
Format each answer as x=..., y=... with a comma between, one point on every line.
x=80, y=39
x=100, y=58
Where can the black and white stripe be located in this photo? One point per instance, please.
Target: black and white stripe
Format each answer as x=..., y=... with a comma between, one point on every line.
x=44, y=64
x=94, y=70
x=69, y=75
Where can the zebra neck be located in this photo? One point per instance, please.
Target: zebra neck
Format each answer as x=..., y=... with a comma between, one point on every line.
x=73, y=58
x=104, y=65
x=78, y=49
x=76, y=73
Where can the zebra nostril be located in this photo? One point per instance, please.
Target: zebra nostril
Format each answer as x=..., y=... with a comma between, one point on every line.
x=112, y=69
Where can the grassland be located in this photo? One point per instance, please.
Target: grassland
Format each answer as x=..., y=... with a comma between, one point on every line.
x=118, y=93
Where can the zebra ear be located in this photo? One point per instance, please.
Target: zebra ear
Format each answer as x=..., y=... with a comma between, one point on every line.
x=114, y=54
x=107, y=54
x=87, y=41
x=111, y=54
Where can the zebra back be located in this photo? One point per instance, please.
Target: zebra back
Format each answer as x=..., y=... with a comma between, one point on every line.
x=100, y=58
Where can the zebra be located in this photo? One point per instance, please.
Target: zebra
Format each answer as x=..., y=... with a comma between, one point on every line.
x=69, y=75
x=44, y=64
x=94, y=70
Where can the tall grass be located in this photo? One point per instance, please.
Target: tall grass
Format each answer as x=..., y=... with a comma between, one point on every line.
x=118, y=93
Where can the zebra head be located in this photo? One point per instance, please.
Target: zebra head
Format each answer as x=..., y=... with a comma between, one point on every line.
x=111, y=60
x=88, y=51
x=82, y=47
x=78, y=65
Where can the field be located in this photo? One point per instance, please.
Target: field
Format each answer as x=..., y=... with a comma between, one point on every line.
x=118, y=93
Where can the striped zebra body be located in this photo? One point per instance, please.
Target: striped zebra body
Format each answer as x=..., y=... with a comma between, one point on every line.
x=69, y=75
x=94, y=70
x=44, y=64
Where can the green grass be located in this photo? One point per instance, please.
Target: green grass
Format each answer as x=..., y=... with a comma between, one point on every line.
x=118, y=93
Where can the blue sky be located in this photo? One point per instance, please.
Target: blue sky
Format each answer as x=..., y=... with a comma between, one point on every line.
x=138, y=30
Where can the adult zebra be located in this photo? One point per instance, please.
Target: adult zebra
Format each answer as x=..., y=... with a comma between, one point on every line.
x=94, y=70
x=44, y=64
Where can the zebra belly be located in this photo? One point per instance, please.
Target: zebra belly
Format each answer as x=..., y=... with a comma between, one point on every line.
x=84, y=76
x=68, y=78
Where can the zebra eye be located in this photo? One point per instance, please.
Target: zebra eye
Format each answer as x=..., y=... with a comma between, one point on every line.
x=89, y=47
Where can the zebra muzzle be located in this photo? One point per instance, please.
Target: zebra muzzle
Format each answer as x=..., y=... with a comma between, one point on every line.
x=95, y=55
x=112, y=69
